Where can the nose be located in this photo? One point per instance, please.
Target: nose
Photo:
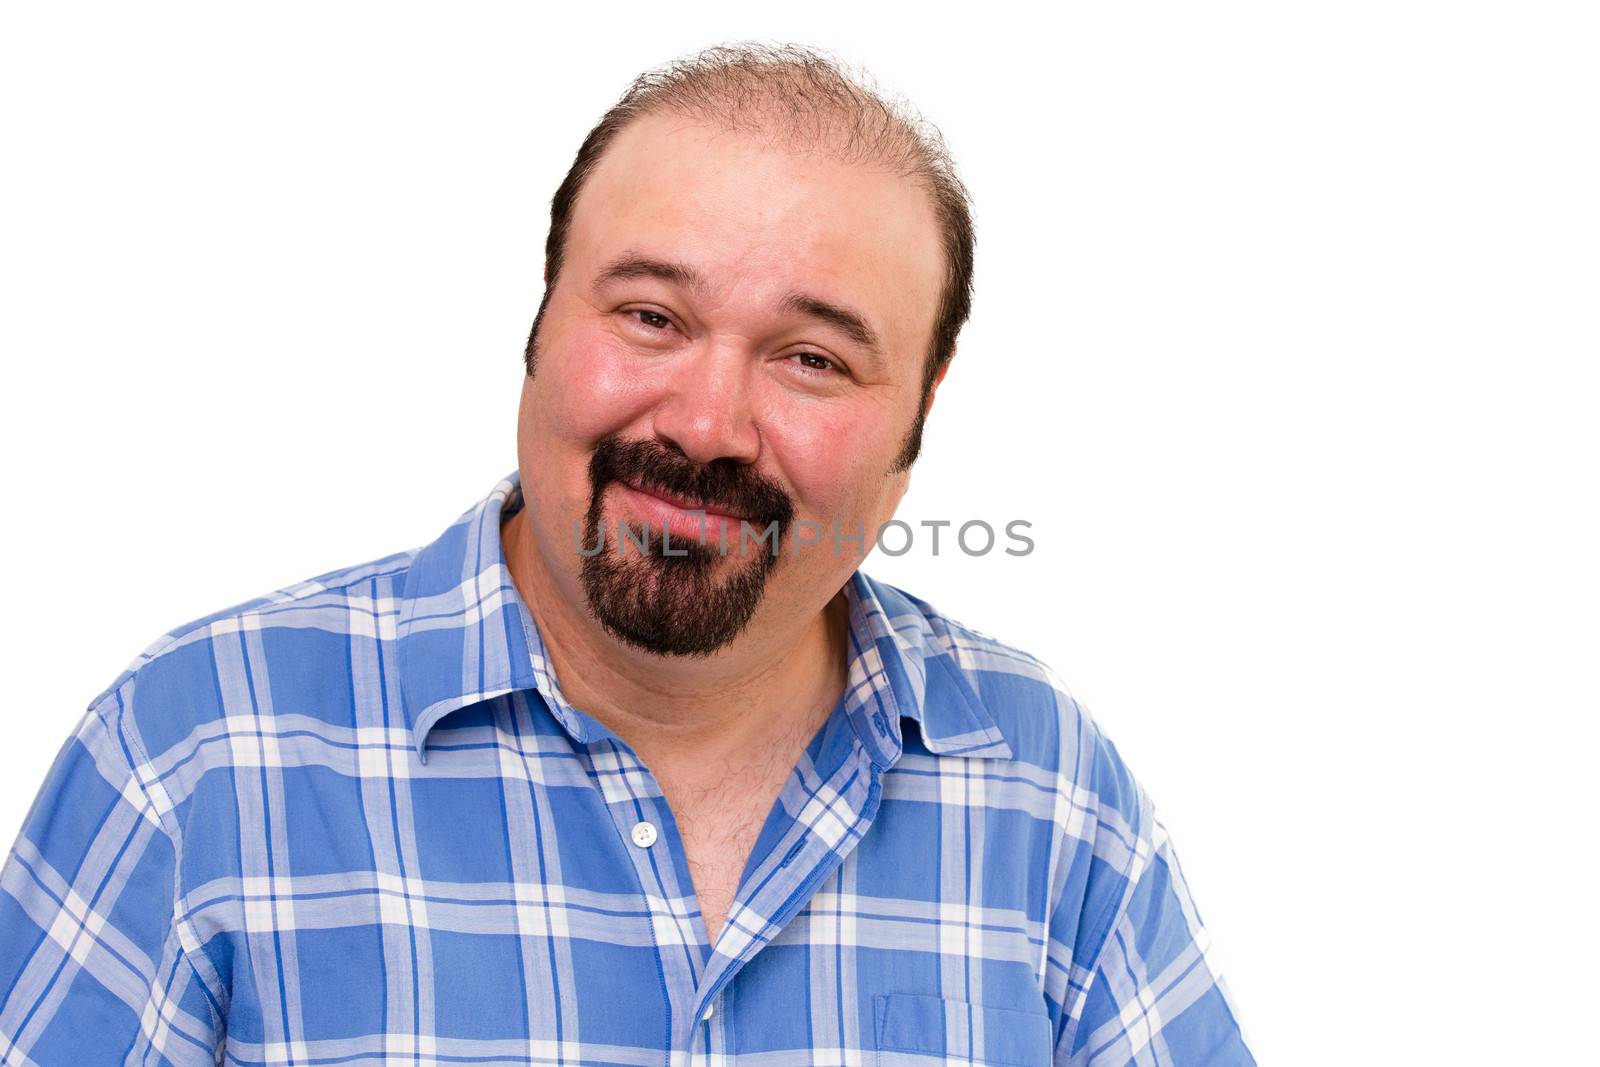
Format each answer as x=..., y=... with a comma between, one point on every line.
x=706, y=408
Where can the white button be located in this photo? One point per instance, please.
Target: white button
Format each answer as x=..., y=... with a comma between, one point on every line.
x=711, y=1009
x=644, y=835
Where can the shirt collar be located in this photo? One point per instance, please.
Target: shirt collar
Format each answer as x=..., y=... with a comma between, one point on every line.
x=465, y=635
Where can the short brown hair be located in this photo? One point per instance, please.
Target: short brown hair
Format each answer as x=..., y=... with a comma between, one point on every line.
x=804, y=97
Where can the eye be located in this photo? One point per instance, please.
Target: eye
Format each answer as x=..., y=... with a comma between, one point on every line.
x=826, y=367
x=650, y=319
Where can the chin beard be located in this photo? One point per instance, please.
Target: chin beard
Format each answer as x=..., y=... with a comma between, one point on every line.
x=678, y=605
x=701, y=597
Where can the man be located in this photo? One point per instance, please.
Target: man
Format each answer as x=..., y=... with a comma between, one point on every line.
x=549, y=791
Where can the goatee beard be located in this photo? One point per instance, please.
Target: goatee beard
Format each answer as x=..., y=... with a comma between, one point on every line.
x=677, y=605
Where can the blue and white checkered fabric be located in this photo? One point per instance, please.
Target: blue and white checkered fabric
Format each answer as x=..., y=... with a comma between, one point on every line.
x=356, y=822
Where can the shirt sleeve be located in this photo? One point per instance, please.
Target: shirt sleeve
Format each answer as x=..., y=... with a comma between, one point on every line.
x=93, y=969
x=1155, y=996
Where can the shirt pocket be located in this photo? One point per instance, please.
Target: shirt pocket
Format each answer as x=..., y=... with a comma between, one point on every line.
x=913, y=1030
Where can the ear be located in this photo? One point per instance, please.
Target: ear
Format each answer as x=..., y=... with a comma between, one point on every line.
x=933, y=389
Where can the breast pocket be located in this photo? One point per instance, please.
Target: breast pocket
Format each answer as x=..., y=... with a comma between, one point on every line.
x=915, y=1031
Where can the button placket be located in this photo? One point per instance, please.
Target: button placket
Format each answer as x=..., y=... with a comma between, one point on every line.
x=706, y=1029
x=644, y=823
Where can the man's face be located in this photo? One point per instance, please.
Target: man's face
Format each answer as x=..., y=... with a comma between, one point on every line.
x=742, y=329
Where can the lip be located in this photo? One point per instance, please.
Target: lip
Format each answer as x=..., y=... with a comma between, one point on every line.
x=684, y=505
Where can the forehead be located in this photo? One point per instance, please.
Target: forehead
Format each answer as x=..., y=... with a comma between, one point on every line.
x=757, y=221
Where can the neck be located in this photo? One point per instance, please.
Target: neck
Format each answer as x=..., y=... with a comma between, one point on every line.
x=780, y=678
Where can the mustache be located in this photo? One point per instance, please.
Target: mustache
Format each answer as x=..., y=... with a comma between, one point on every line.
x=723, y=485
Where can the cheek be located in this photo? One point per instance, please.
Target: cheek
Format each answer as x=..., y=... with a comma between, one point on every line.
x=594, y=388
x=836, y=460
x=584, y=389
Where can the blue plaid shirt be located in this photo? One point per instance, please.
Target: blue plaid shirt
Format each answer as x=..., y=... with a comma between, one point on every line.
x=355, y=821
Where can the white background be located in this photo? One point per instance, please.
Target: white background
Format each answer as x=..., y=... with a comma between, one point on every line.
x=1285, y=341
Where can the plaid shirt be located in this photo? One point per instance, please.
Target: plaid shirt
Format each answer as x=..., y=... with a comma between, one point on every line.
x=355, y=821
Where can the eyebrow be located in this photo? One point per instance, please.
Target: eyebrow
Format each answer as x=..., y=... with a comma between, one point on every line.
x=848, y=322
x=631, y=265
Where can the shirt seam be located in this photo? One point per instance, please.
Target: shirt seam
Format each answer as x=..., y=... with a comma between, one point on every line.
x=207, y=975
x=1111, y=918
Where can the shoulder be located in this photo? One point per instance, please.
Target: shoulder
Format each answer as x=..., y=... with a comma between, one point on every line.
x=202, y=675
x=1052, y=735
x=1097, y=823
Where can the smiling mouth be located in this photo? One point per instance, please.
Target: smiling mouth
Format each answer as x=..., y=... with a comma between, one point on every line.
x=684, y=503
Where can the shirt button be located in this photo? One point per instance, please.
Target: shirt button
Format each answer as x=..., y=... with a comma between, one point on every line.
x=644, y=834
x=711, y=1009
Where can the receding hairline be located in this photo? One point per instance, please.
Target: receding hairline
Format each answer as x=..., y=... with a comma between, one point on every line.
x=800, y=99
